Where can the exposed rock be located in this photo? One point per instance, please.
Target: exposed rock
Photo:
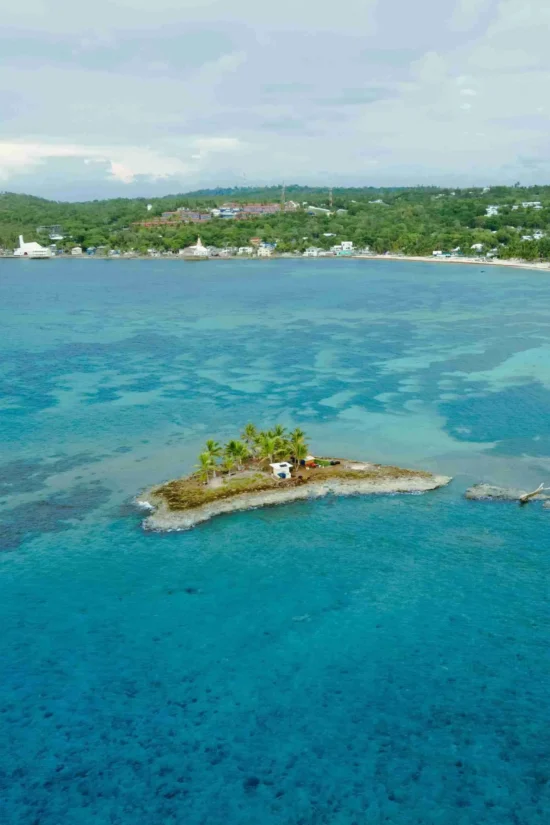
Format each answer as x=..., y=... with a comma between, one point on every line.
x=489, y=492
x=164, y=519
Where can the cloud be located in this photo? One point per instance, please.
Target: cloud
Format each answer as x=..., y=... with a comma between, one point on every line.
x=183, y=93
x=104, y=16
x=468, y=12
x=124, y=163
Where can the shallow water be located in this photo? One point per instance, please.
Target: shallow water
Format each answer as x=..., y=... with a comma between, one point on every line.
x=346, y=660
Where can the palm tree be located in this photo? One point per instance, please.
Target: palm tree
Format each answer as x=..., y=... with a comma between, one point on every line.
x=204, y=466
x=241, y=454
x=297, y=435
x=228, y=464
x=237, y=451
x=300, y=452
x=267, y=445
x=283, y=449
x=250, y=435
x=298, y=444
x=278, y=431
x=214, y=450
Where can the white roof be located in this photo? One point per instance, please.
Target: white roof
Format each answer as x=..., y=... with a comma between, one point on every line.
x=32, y=246
x=284, y=465
x=310, y=458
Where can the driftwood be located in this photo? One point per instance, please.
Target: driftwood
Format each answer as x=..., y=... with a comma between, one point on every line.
x=528, y=496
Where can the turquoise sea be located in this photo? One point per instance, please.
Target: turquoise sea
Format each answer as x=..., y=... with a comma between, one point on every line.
x=341, y=662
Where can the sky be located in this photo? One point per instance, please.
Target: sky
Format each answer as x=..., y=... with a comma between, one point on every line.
x=125, y=98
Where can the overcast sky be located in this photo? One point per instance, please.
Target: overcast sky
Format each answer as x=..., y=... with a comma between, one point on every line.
x=145, y=97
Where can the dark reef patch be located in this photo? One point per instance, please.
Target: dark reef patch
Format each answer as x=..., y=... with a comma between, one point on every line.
x=28, y=476
x=52, y=515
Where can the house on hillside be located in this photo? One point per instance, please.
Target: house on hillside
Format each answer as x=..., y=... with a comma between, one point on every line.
x=265, y=250
x=318, y=210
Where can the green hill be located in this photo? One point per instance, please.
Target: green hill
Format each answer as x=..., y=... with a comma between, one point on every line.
x=414, y=221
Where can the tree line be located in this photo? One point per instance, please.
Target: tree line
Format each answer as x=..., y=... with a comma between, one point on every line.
x=412, y=221
x=255, y=446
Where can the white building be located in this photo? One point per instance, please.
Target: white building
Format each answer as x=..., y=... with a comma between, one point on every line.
x=265, y=251
x=31, y=250
x=76, y=250
x=245, y=250
x=492, y=211
x=532, y=205
x=344, y=248
x=282, y=470
x=477, y=247
x=312, y=252
x=198, y=250
x=437, y=253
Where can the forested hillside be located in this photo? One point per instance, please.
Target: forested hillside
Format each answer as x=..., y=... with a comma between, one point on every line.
x=510, y=221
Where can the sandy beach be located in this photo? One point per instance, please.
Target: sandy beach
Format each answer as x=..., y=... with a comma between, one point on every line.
x=513, y=262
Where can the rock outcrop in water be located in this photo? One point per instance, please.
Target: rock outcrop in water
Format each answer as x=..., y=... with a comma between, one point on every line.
x=489, y=492
x=171, y=512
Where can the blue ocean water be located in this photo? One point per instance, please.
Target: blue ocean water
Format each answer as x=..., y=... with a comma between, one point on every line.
x=362, y=660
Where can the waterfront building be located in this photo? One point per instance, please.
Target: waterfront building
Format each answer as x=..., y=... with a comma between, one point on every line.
x=31, y=250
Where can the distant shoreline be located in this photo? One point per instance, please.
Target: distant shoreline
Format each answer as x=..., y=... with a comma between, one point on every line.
x=540, y=266
x=512, y=262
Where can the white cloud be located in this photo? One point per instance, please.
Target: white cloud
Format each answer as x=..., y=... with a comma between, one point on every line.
x=467, y=13
x=124, y=163
x=104, y=15
x=120, y=85
x=430, y=68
